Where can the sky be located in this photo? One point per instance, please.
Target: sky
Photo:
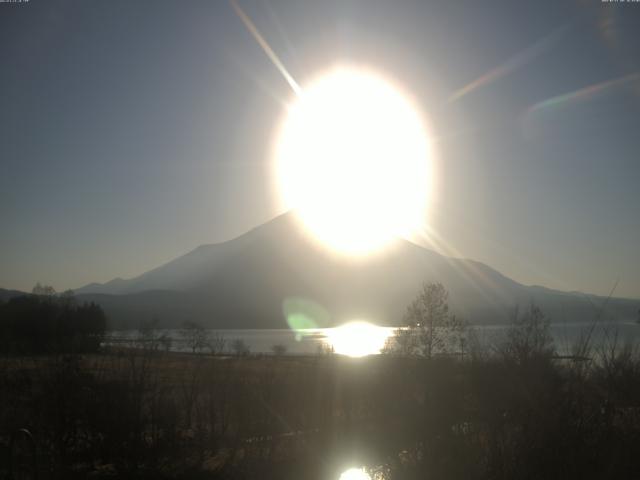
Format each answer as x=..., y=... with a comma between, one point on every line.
x=132, y=132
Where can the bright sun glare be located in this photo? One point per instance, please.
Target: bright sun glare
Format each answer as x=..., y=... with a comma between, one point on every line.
x=353, y=162
x=355, y=474
x=358, y=339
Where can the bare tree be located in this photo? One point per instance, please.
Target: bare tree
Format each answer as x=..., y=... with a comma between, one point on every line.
x=239, y=347
x=529, y=337
x=430, y=328
x=217, y=343
x=195, y=336
x=403, y=342
x=325, y=349
x=43, y=290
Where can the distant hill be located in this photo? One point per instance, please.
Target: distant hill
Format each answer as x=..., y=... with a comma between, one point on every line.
x=7, y=294
x=243, y=283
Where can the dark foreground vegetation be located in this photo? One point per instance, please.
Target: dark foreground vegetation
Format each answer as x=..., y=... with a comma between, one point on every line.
x=45, y=322
x=514, y=411
x=151, y=414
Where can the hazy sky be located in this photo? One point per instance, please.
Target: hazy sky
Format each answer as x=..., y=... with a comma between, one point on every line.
x=134, y=131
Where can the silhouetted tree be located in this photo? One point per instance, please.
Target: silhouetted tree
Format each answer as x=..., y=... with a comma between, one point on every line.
x=403, y=342
x=195, y=336
x=430, y=328
x=43, y=290
x=45, y=322
x=217, y=343
x=528, y=336
x=240, y=347
x=150, y=337
x=325, y=349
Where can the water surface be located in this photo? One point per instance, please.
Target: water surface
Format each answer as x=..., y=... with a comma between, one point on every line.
x=312, y=341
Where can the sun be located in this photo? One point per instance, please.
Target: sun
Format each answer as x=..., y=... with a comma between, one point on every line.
x=353, y=161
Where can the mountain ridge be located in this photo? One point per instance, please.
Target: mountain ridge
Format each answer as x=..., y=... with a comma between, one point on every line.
x=245, y=282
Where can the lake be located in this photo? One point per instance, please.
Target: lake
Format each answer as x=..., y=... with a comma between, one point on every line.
x=359, y=339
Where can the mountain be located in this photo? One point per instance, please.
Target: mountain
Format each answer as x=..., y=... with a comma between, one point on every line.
x=245, y=283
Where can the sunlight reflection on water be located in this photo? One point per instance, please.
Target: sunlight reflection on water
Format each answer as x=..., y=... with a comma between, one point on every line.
x=358, y=339
x=314, y=340
x=355, y=474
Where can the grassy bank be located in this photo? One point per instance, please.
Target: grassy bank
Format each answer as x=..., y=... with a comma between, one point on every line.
x=143, y=414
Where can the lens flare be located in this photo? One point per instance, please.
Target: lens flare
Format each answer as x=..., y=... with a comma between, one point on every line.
x=253, y=30
x=303, y=315
x=586, y=93
x=514, y=63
